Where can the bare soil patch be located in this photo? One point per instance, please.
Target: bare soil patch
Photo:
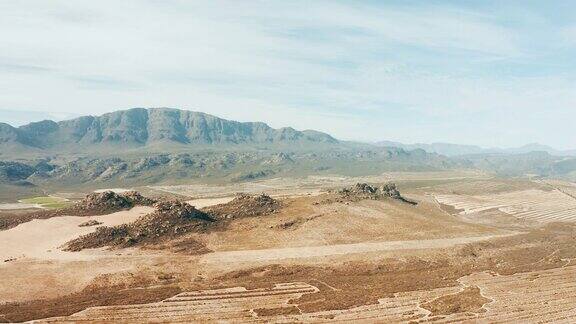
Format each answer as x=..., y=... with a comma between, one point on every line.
x=41, y=239
x=353, y=284
x=360, y=283
x=290, y=310
x=468, y=300
x=131, y=290
x=208, y=202
x=94, y=204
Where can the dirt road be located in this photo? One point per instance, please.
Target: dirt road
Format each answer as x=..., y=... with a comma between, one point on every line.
x=337, y=249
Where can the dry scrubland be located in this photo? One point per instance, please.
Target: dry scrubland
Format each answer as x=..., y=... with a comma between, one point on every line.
x=474, y=249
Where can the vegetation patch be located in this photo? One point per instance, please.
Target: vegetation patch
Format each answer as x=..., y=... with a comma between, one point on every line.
x=47, y=202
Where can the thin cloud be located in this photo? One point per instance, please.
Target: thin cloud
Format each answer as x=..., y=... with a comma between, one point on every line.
x=412, y=71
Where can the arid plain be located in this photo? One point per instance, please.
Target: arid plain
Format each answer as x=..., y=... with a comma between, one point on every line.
x=458, y=246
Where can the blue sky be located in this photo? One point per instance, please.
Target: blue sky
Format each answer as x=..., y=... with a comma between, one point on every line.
x=491, y=73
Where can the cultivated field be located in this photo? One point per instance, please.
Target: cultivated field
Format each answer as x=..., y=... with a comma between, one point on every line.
x=540, y=296
x=232, y=304
x=533, y=205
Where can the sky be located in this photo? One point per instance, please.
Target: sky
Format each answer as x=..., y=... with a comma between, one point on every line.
x=490, y=73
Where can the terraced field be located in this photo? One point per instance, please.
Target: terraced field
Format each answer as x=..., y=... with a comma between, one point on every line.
x=231, y=305
x=543, y=296
x=540, y=296
x=535, y=205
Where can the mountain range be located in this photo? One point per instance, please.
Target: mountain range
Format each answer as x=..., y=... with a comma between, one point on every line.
x=169, y=146
x=164, y=130
x=452, y=150
x=148, y=128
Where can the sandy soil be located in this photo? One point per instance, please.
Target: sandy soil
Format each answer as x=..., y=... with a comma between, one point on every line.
x=41, y=238
x=18, y=206
x=116, y=190
x=327, y=250
x=207, y=202
x=303, y=222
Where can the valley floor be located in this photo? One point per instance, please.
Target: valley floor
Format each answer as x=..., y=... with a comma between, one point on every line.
x=474, y=249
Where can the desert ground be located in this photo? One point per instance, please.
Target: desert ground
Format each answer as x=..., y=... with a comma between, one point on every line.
x=460, y=247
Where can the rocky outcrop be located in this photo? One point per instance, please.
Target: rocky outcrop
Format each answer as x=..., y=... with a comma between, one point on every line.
x=90, y=223
x=110, y=201
x=364, y=191
x=170, y=220
x=245, y=205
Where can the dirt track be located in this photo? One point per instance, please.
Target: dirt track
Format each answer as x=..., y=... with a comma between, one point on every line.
x=337, y=249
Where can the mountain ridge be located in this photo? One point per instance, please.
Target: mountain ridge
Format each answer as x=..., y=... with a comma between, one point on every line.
x=452, y=150
x=141, y=127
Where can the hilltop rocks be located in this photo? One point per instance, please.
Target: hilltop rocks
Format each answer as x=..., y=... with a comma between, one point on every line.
x=280, y=158
x=90, y=223
x=111, y=201
x=364, y=191
x=170, y=219
x=245, y=205
x=174, y=209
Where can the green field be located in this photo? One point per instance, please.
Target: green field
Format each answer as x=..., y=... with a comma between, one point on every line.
x=47, y=202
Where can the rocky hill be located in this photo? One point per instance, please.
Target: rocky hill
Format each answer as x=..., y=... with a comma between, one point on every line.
x=174, y=168
x=173, y=219
x=142, y=128
x=93, y=204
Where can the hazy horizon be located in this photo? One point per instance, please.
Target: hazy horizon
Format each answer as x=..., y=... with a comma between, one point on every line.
x=490, y=74
x=16, y=119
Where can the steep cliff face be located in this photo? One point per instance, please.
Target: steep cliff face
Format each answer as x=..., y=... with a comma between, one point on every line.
x=141, y=127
